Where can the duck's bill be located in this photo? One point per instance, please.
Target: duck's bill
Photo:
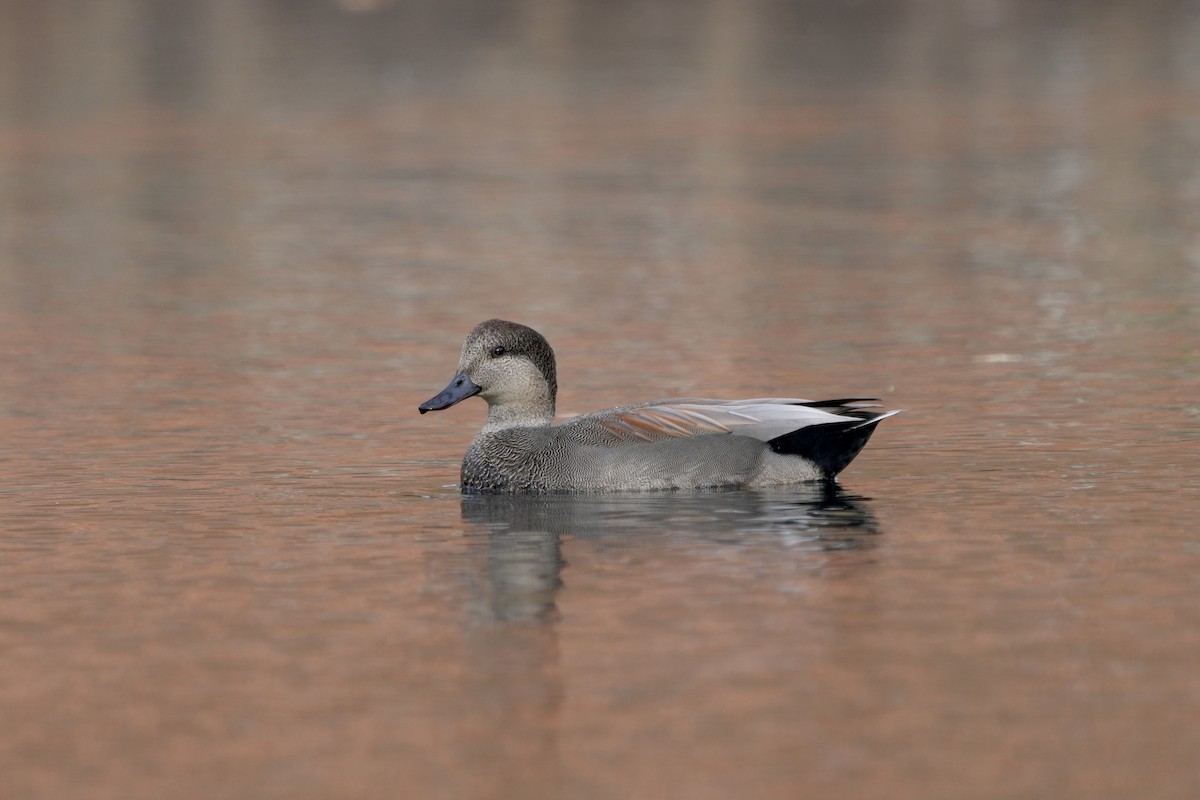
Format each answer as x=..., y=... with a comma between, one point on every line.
x=460, y=388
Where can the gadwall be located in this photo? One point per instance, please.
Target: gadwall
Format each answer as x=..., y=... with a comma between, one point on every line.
x=682, y=443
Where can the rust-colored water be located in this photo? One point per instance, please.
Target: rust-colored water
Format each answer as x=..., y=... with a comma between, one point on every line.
x=240, y=242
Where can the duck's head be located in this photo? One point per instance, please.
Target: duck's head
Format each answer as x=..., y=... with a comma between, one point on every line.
x=511, y=366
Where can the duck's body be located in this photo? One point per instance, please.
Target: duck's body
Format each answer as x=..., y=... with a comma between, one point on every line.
x=668, y=444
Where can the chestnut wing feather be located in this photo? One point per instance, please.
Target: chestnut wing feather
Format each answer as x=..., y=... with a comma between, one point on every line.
x=763, y=421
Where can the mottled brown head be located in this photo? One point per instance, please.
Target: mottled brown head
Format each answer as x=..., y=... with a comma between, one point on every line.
x=497, y=339
x=511, y=366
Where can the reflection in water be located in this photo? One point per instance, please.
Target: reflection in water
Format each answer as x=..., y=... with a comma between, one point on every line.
x=524, y=568
x=525, y=532
x=514, y=641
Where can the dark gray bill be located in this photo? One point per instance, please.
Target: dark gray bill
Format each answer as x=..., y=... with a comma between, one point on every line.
x=460, y=388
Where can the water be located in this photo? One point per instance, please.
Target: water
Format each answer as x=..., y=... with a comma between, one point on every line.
x=239, y=243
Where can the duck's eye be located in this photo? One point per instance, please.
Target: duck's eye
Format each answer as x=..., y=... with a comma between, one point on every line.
x=498, y=351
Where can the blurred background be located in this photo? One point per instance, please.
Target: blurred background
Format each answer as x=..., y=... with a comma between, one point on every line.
x=241, y=241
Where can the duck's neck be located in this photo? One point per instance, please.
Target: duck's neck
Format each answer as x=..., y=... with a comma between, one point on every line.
x=537, y=414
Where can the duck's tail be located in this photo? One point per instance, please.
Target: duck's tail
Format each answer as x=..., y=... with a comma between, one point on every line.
x=832, y=445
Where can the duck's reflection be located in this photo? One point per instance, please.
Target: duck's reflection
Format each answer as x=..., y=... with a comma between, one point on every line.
x=520, y=543
x=525, y=559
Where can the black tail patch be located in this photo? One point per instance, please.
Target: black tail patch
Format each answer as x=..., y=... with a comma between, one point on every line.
x=843, y=402
x=830, y=446
x=846, y=406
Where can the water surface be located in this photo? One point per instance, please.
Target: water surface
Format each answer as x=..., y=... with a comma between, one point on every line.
x=239, y=243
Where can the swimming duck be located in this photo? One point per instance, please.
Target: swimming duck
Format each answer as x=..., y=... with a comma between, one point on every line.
x=682, y=443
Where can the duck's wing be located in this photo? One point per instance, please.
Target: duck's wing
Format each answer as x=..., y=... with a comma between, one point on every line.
x=764, y=419
x=854, y=406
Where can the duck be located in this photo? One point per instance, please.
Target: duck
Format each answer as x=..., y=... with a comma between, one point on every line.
x=678, y=443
